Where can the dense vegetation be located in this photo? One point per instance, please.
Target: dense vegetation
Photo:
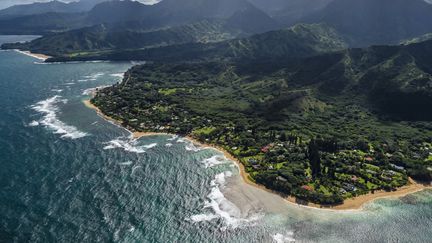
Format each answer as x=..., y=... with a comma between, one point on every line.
x=322, y=128
x=298, y=41
x=106, y=38
x=306, y=116
x=119, y=30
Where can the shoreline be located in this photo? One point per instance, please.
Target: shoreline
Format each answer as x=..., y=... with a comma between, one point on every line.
x=351, y=204
x=39, y=56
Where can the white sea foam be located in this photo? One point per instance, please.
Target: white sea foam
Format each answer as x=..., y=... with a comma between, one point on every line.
x=46, y=63
x=150, y=145
x=192, y=147
x=129, y=145
x=126, y=163
x=203, y=217
x=49, y=109
x=86, y=80
x=117, y=75
x=284, y=238
x=137, y=62
x=168, y=145
x=214, y=161
x=89, y=91
x=93, y=76
x=95, y=61
x=221, y=207
x=57, y=90
x=33, y=124
x=172, y=138
x=135, y=168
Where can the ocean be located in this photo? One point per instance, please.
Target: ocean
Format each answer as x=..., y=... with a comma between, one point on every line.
x=67, y=175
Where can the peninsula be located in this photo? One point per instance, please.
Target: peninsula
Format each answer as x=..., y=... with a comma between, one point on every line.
x=292, y=133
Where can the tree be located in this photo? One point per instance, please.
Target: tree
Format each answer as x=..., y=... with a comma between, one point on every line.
x=314, y=158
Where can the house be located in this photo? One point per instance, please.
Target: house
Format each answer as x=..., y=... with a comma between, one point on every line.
x=389, y=173
x=256, y=167
x=397, y=167
x=280, y=178
x=349, y=187
x=354, y=178
x=265, y=149
x=343, y=191
x=252, y=161
x=369, y=159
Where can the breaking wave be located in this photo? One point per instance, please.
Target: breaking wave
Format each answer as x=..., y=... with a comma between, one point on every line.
x=221, y=208
x=49, y=109
x=192, y=147
x=92, y=77
x=129, y=145
x=152, y=145
x=214, y=161
x=126, y=163
x=89, y=91
x=33, y=124
x=284, y=238
x=172, y=138
x=117, y=75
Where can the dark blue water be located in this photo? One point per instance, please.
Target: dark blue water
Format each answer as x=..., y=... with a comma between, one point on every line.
x=67, y=175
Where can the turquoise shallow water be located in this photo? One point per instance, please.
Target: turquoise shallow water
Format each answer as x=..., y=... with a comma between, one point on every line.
x=67, y=176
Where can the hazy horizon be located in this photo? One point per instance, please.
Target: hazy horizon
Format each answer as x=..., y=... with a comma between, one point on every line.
x=8, y=3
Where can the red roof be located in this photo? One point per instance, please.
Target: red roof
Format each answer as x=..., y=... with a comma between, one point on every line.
x=306, y=187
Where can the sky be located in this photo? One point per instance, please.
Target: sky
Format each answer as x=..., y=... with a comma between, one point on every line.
x=7, y=3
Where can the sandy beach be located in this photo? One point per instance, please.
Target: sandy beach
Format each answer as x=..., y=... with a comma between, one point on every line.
x=356, y=203
x=99, y=112
x=41, y=57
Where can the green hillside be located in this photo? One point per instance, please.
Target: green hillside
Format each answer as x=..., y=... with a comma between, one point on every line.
x=321, y=128
x=102, y=38
x=298, y=41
